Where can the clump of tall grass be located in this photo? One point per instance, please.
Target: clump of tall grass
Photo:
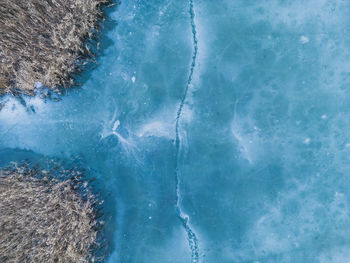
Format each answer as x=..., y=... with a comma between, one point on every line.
x=45, y=218
x=44, y=41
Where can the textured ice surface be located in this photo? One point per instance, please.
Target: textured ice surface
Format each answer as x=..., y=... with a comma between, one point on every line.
x=245, y=159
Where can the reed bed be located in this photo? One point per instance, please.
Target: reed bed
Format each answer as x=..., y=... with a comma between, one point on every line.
x=46, y=219
x=45, y=41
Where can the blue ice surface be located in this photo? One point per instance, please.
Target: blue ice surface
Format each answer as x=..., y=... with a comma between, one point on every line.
x=218, y=131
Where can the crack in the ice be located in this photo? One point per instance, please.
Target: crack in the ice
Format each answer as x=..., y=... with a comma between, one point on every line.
x=191, y=236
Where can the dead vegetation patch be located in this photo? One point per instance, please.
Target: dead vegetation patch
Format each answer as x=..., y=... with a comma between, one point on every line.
x=46, y=219
x=44, y=41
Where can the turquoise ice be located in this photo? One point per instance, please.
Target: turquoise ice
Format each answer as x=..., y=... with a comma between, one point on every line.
x=218, y=131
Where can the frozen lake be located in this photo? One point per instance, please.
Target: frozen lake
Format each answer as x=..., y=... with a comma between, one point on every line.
x=217, y=131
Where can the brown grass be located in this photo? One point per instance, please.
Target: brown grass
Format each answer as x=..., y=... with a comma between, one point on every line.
x=43, y=219
x=44, y=41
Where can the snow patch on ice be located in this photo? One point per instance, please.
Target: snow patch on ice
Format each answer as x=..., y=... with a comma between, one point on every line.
x=304, y=39
x=155, y=128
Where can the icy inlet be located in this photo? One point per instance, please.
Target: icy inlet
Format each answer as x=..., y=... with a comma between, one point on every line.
x=217, y=132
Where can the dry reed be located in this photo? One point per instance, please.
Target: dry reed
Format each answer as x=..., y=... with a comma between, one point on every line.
x=46, y=219
x=44, y=41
